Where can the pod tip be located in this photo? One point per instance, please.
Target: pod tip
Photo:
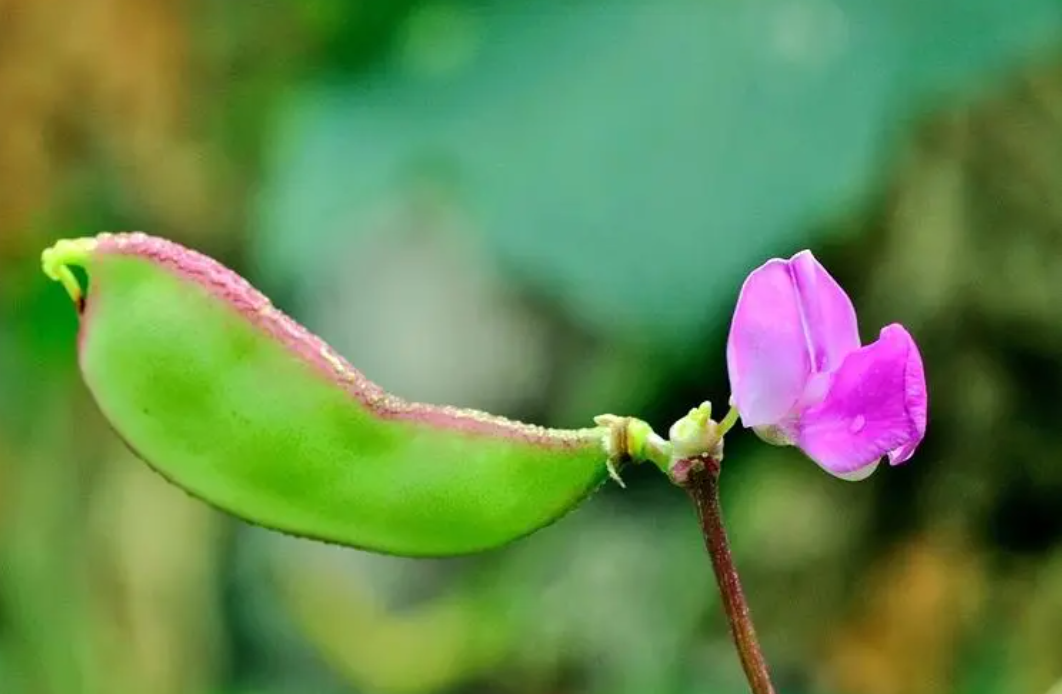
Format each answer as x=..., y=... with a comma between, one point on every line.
x=56, y=262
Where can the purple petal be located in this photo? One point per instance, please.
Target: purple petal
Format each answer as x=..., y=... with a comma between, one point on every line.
x=767, y=353
x=917, y=400
x=876, y=404
x=829, y=317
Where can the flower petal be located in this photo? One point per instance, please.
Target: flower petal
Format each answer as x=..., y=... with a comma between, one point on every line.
x=859, y=474
x=767, y=352
x=917, y=401
x=829, y=317
x=876, y=404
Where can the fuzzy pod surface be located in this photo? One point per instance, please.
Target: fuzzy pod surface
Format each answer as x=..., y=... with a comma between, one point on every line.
x=242, y=407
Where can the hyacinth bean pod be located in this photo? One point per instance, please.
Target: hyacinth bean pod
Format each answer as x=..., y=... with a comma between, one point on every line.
x=236, y=403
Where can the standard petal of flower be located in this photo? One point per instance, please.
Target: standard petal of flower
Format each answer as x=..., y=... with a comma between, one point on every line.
x=917, y=397
x=829, y=317
x=767, y=352
x=870, y=409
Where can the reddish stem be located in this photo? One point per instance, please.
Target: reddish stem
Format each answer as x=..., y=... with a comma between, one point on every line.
x=700, y=478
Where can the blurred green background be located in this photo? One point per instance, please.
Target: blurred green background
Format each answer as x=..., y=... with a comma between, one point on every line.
x=545, y=209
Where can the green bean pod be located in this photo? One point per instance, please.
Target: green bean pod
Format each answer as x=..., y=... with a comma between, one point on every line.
x=242, y=407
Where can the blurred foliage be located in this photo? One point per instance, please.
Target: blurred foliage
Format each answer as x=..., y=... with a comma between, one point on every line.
x=545, y=209
x=647, y=130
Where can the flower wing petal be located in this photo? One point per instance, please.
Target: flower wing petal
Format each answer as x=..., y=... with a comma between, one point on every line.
x=767, y=351
x=917, y=401
x=876, y=404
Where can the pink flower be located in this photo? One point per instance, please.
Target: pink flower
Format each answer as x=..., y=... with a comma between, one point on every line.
x=800, y=377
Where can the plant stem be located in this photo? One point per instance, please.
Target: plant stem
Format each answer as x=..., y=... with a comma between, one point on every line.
x=702, y=484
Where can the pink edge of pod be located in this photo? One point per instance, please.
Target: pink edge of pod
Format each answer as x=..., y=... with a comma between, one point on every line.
x=255, y=307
